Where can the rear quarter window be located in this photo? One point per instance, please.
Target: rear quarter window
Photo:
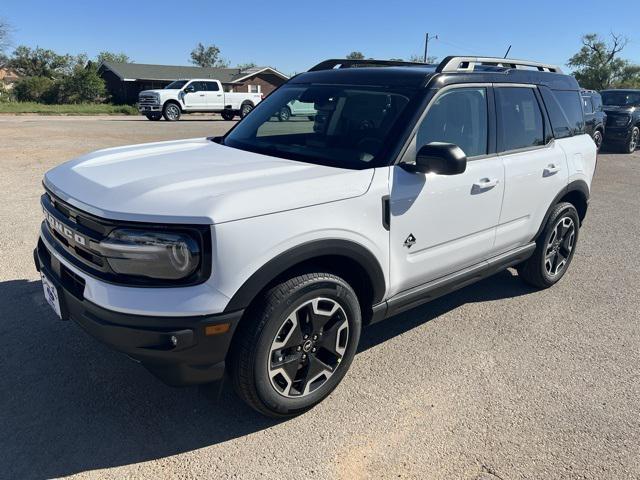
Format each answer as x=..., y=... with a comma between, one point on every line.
x=570, y=102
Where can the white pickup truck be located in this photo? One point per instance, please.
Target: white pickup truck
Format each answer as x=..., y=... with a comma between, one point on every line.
x=196, y=95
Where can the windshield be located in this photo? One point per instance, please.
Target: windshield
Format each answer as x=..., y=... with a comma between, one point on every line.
x=177, y=85
x=621, y=98
x=337, y=125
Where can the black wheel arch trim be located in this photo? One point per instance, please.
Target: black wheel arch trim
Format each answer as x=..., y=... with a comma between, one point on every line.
x=575, y=186
x=306, y=252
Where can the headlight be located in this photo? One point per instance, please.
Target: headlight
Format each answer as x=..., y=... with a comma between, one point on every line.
x=161, y=255
x=622, y=121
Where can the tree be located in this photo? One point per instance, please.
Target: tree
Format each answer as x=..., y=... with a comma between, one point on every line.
x=113, y=57
x=5, y=35
x=207, y=56
x=39, y=62
x=420, y=58
x=355, y=55
x=33, y=89
x=245, y=66
x=84, y=85
x=598, y=65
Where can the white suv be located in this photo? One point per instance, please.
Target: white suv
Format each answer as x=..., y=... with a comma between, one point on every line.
x=265, y=251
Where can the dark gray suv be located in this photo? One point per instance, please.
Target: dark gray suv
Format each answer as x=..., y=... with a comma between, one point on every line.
x=623, y=118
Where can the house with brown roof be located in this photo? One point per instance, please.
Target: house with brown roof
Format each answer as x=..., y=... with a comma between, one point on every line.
x=7, y=78
x=125, y=80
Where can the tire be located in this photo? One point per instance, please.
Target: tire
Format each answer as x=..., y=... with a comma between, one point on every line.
x=633, y=141
x=171, y=112
x=245, y=109
x=227, y=114
x=598, y=138
x=274, y=329
x=555, y=248
x=284, y=114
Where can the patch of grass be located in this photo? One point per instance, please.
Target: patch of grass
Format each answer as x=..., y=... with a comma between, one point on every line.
x=70, y=109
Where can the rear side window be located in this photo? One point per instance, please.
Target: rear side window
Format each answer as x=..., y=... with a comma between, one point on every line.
x=212, y=86
x=587, y=106
x=520, y=122
x=571, y=105
x=458, y=116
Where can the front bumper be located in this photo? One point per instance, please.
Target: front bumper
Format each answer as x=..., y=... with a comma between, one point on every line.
x=149, y=108
x=178, y=350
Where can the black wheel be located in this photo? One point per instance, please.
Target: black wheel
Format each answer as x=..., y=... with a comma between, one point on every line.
x=245, y=109
x=154, y=116
x=633, y=141
x=554, y=248
x=311, y=117
x=227, y=114
x=284, y=114
x=597, y=139
x=171, y=112
x=296, y=344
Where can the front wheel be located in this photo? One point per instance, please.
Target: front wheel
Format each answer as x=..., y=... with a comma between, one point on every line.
x=296, y=344
x=634, y=139
x=245, y=109
x=554, y=248
x=171, y=112
x=284, y=114
x=597, y=139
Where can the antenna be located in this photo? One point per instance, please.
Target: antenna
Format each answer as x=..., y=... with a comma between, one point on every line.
x=508, y=50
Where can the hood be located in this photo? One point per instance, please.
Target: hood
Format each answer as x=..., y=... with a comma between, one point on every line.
x=619, y=109
x=196, y=181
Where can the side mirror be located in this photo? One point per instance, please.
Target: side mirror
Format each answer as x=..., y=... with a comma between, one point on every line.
x=440, y=158
x=190, y=89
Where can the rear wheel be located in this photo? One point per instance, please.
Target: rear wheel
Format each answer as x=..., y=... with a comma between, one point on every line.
x=171, y=112
x=554, y=248
x=296, y=344
x=227, y=114
x=245, y=109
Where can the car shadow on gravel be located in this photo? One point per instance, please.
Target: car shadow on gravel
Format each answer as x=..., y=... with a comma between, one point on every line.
x=505, y=284
x=69, y=404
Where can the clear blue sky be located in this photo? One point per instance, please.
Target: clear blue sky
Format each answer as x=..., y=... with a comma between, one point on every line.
x=293, y=35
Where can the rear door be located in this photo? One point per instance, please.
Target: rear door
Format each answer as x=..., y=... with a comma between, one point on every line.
x=214, y=96
x=535, y=165
x=443, y=223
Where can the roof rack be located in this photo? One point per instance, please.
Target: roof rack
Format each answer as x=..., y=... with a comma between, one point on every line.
x=468, y=64
x=347, y=63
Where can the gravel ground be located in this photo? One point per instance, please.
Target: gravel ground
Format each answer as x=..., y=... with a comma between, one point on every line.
x=494, y=381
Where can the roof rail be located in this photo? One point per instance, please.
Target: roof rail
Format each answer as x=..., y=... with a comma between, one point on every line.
x=468, y=64
x=348, y=63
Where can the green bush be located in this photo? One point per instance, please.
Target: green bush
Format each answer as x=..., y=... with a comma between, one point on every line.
x=84, y=85
x=69, y=109
x=33, y=89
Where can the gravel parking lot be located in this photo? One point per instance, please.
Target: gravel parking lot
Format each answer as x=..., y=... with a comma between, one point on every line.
x=496, y=381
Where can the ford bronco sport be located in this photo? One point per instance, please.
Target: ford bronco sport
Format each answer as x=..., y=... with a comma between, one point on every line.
x=264, y=252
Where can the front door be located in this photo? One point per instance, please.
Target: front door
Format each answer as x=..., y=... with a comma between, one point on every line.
x=443, y=223
x=194, y=96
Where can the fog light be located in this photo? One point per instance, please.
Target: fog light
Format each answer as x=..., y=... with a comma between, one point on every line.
x=174, y=340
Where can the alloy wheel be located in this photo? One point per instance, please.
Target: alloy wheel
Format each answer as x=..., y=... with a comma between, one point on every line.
x=597, y=139
x=308, y=347
x=635, y=137
x=560, y=246
x=173, y=112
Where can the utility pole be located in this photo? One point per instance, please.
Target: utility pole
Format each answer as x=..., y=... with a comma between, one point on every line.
x=426, y=44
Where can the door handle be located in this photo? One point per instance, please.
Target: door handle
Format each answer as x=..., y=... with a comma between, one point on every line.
x=202, y=94
x=485, y=184
x=551, y=169
x=219, y=95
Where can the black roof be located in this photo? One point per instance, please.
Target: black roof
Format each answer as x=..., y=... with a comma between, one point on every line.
x=397, y=74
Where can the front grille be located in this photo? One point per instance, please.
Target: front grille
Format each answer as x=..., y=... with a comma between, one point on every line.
x=148, y=100
x=76, y=235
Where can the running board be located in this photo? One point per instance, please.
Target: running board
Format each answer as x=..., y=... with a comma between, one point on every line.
x=426, y=292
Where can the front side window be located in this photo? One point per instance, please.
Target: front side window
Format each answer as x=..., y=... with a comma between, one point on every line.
x=177, y=85
x=458, y=116
x=347, y=125
x=520, y=123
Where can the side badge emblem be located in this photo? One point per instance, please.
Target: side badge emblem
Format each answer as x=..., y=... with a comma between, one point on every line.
x=411, y=240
